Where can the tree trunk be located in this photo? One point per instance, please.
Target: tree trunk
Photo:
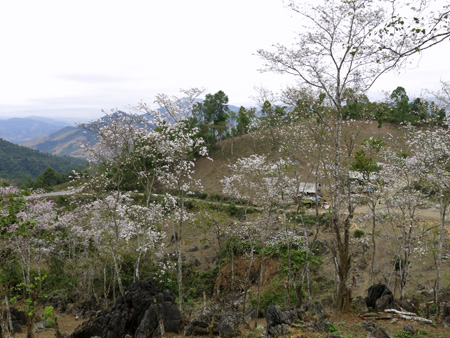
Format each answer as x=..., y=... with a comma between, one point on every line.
x=442, y=210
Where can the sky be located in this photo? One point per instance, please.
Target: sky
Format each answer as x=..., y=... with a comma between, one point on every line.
x=70, y=59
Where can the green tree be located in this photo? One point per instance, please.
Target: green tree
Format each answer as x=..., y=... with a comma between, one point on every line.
x=49, y=178
x=273, y=115
x=400, y=106
x=211, y=117
x=244, y=119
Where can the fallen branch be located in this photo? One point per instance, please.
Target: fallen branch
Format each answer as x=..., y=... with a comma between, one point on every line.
x=409, y=316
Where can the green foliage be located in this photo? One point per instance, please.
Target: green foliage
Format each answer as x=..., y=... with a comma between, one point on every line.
x=297, y=255
x=358, y=233
x=235, y=211
x=197, y=282
x=48, y=316
x=402, y=334
x=309, y=220
x=59, y=279
x=274, y=294
x=273, y=115
x=47, y=179
x=332, y=328
x=243, y=121
x=18, y=163
x=237, y=246
x=422, y=333
x=211, y=117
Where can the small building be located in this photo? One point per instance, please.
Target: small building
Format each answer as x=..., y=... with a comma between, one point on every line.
x=309, y=189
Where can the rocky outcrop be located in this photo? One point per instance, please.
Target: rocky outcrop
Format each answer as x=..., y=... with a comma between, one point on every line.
x=225, y=325
x=279, y=320
x=137, y=314
x=375, y=331
x=379, y=298
x=445, y=319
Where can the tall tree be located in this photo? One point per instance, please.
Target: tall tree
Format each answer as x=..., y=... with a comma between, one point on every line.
x=345, y=44
x=212, y=116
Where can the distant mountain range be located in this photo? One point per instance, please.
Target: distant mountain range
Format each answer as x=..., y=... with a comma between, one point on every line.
x=18, y=162
x=19, y=130
x=68, y=140
x=64, y=142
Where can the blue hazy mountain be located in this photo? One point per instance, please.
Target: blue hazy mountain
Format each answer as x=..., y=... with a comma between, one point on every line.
x=19, y=130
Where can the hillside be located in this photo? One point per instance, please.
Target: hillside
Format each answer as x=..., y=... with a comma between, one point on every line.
x=19, y=130
x=64, y=142
x=210, y=172
x=18, y=162
x=209, y=262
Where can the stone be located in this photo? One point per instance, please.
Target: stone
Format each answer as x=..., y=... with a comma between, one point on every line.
x=375, y=331
x=229, y=326
x=319, y=326
x=445, y=319
x=379, y=298
x=279, y=320
x=135, y=314
x=408, y=306
x=202, y=324
x=410, y=329
x=18, y=319
x=278, y=330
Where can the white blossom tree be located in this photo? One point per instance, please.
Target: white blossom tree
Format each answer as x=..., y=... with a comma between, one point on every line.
x=265, y=184
x=349, y=44
x=431, y=147
x=28, y=229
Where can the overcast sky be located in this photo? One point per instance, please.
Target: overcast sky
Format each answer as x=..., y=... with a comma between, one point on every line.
x=74, y=58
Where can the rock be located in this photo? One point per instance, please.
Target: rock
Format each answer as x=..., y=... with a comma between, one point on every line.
x=135, y=314
x=40, y=326
x=18, y=319
x=315, y=310
x=202, y=324
x=279, y=330
x=379, y=298
x=279, y=320
x=194, y=249
x=320, y=326
x=410, y=329
x=360, y=304
x=321, y=248
x=305, y=232
x=252, y=314
x=206, y=323
x=229, y=326
x=445, y=319
x=375, y=331
x=408, y=306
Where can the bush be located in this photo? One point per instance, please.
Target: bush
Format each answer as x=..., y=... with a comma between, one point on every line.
x=402, y=334
x=198, y=282
x=358, y=233
x=275, y=294
x=233, y=210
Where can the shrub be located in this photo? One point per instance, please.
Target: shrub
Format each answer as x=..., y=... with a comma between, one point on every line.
x=275, y=294
x=358, y=233
x=402, y=334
